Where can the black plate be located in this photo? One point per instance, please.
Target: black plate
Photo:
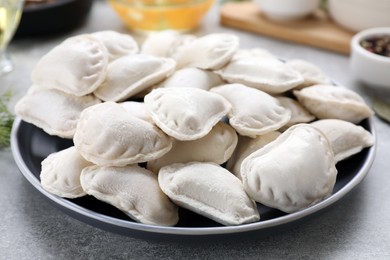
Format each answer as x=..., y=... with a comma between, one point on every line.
x=30, y=145
x=53, y=17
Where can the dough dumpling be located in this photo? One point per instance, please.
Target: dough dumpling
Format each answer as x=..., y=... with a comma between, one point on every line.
x=60, y=174
x=209, y=190
x=117, y=44
x=254, y=112
x=131, y=74
x=345, y=138
x=77, y=66
x=293, y=172
x=56, y=112
x=331, y=102
x=137, y=109
x=132, y=189
x=217, y=146
x=165, y=43
x=186, y=113
x=108, y=135
x=211, y=51
x=192, y=78
x=246, y=146
x=264, y=73
x=299, y=114
x=254, y=52
x=312, y=74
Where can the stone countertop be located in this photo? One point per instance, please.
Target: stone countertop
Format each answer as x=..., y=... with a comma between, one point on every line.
x=357, y=227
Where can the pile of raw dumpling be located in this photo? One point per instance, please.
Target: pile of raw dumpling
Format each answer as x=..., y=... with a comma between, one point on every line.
x=183, y=106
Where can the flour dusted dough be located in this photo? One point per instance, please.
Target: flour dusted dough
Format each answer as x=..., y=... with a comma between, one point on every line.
x=217, y=146
x=345, y=138
x=131, y=74
x=77, y=66
x=192, y=78
x=56, y=112
x=311, y=73
x=293, y=172
x=211, y=51
x=186, y=113
x=108, y=135
x=264, y=73
x=209, y=190
x=327, y=102
x=254, y=112
x=254, y=52
x=60, y=174
x=165, y=43
x=299, y=114
x=246, y=146
x=117, y=44
x=137, y=109
x=132, y=189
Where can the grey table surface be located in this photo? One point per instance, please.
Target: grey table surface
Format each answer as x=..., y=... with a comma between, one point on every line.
x=357, y=227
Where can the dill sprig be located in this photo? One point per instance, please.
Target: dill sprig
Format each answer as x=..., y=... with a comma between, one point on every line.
x=6, y=119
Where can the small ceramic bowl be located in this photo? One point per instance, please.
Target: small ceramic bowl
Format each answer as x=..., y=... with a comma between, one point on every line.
x=369, y=67
x=358, y=15
x=281, y=10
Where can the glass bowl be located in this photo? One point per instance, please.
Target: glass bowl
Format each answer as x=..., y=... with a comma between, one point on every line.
x=156, y=15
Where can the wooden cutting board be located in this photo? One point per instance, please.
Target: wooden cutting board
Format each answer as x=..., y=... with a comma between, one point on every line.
x=316, y=30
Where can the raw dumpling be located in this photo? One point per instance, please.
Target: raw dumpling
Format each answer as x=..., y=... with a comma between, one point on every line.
x=186, y=113
x=165, y=43
x=117, y=44
x=264, y=73
x=254, y=112
x=217, y=146
x=245, y=147
x=56, y=112
x=131, y=74
x=326, y=102
x=132, y=189
x=211, y=51
x=108, y=135
x=209, y=190
x=35, y=88
x=293, y=172
x=345, y=138
x=254, y=52
x=192, y=78
x=137, y=109
x=60, y=174
x=299, y=114
x=77, y=66
x=311, y=73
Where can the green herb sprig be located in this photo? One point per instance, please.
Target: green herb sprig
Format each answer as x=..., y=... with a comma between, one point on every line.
x=6, y=119
x=382, y=109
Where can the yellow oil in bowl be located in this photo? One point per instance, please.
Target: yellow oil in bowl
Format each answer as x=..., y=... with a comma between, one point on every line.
x=156, y=15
